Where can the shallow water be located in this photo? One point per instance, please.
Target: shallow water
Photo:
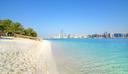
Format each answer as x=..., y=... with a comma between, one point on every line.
x=91, y=56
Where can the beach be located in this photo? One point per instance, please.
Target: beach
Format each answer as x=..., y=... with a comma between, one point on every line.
x=64, y=56
x=25, y=56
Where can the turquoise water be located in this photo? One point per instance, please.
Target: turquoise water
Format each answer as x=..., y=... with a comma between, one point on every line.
x=91, y=56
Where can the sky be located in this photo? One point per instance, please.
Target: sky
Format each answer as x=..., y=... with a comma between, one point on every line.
x=49, y=17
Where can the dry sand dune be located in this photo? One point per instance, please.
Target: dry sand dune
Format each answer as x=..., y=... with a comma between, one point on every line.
x=24, y=56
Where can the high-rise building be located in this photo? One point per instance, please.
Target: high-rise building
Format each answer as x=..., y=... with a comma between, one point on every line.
x=118, y=35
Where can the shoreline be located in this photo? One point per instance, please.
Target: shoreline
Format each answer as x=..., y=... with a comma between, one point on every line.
x=26, y=56
x=21, y=36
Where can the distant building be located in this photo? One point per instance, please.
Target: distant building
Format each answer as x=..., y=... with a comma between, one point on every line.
x=84, y=36
x=94, y=35
x=126, y=35
x=81, y=36
x=106, y=35
x=118, y=35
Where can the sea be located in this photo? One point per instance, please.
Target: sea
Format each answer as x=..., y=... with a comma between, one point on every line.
x=91, y=56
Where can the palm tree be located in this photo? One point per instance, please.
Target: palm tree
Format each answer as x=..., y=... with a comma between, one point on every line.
x=30, y=32
x=11, y=28
x=17, y=28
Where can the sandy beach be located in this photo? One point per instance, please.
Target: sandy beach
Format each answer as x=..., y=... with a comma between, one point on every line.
x=25, y=56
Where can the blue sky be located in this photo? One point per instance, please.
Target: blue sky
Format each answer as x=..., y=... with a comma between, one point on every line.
x=48, y=17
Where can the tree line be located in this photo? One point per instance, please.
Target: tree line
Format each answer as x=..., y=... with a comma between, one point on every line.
x=11, y=28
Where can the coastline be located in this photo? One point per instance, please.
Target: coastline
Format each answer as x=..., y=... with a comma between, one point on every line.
x=26, y=56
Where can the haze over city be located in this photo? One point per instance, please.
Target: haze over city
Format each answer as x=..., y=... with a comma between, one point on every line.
x=49, y=17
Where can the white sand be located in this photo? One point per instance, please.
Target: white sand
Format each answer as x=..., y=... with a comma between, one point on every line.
x=24, y=56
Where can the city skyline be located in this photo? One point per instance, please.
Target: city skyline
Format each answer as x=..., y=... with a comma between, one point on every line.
x=63, y=35
x=48, y=17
